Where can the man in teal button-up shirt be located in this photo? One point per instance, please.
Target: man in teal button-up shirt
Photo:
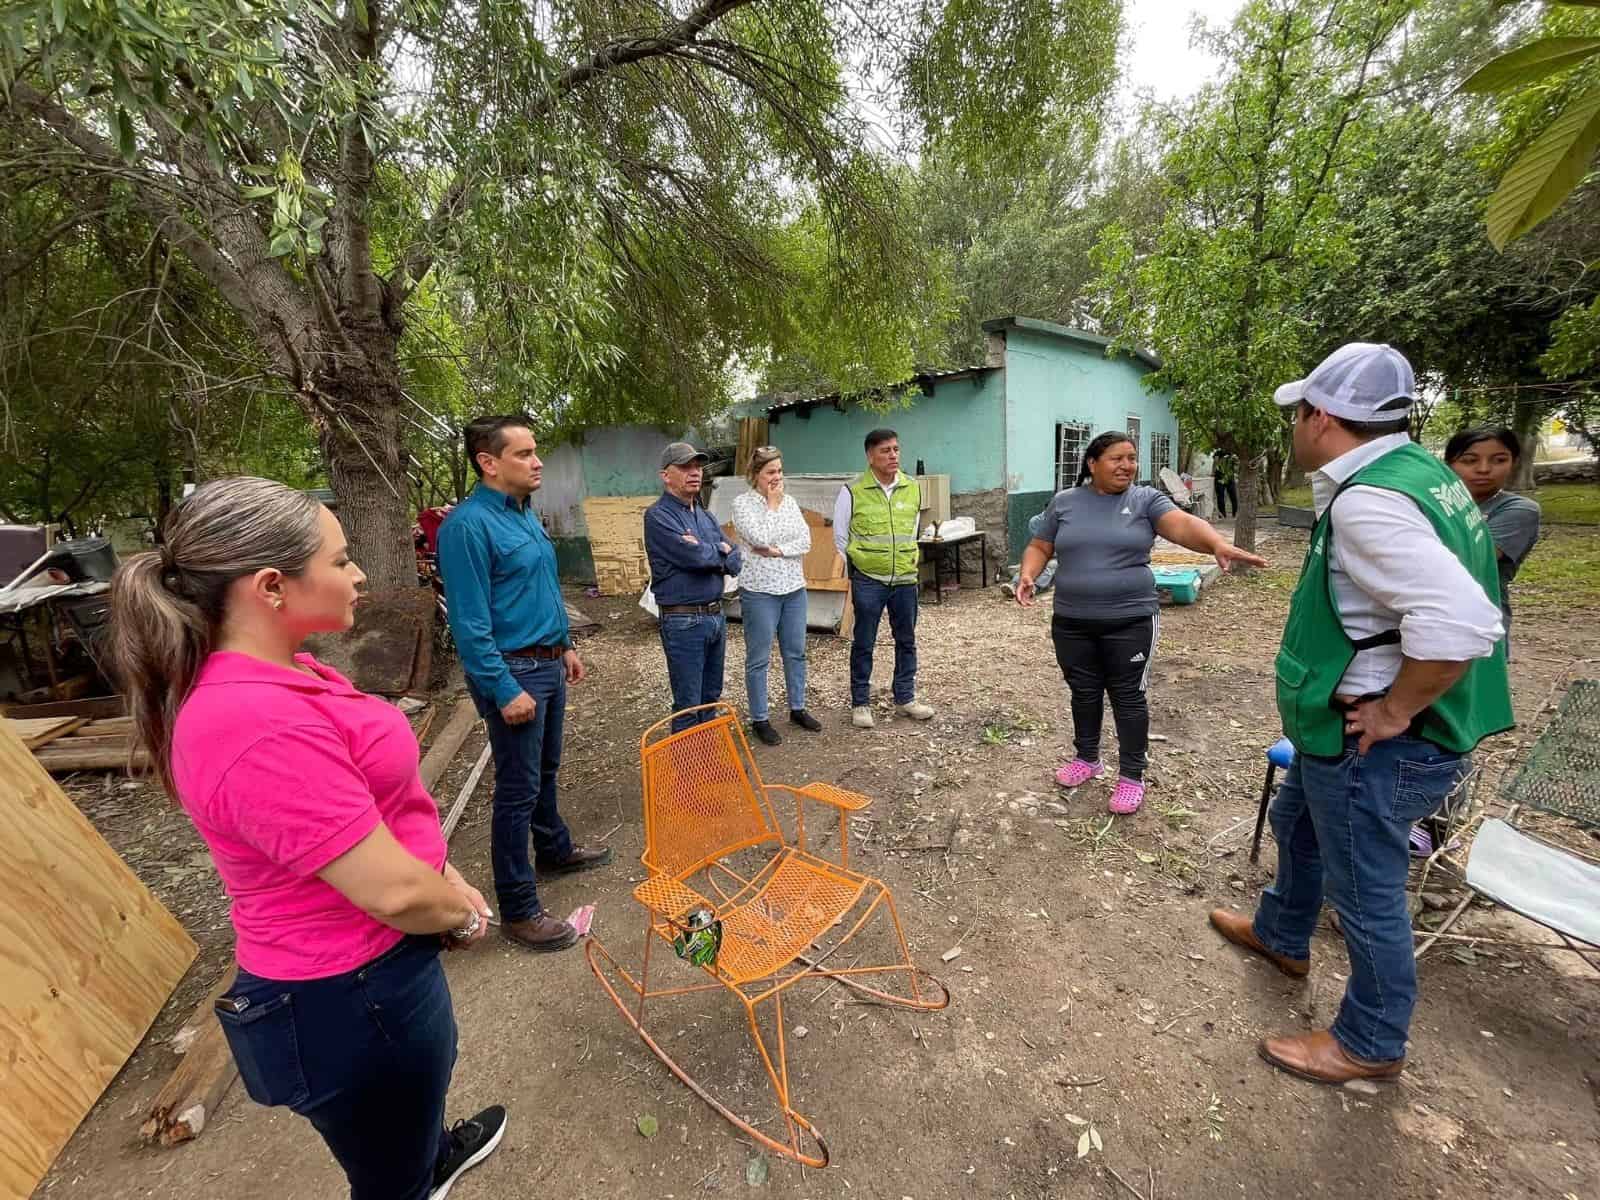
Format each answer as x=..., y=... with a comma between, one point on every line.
x=510, y=627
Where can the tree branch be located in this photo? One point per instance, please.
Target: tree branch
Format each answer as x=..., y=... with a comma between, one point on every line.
x=418, y=258
x=163, y=211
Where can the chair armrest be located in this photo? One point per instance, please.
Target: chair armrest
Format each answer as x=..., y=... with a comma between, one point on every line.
x=668, y=897
x=826, y=793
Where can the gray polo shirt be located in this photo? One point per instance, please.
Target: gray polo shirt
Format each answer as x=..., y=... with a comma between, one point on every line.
x=1513, y=522
x=1103, y=545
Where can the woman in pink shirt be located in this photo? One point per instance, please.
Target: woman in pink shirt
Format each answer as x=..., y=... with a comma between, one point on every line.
x=306, y=790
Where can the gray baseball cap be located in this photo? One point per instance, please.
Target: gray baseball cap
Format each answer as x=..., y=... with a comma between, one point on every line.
x=1361, y=381
x=681, y=454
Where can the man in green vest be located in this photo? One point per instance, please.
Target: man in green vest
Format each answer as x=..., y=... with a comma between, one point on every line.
x=1390, y=671
x=875, y=529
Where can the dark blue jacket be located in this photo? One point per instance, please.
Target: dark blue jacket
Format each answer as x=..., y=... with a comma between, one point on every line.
x=682, y=572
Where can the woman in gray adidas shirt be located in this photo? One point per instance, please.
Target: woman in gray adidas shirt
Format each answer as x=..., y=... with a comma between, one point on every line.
x=1105, y=620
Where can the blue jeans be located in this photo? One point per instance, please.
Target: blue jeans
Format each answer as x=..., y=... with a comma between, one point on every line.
x=765, y=614
x=1343, y=826
x=365, y=1056
x=695, y=645
x=870, y=599
x=526, y=759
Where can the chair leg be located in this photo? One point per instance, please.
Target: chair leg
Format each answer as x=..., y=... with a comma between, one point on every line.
x=1261, y=814
x=799, y=1128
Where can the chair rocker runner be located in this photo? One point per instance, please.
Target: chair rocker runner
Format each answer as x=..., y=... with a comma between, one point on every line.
x=784, y=921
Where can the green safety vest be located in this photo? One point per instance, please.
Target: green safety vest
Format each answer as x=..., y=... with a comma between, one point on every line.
x=1316, y=652
x=883, y=531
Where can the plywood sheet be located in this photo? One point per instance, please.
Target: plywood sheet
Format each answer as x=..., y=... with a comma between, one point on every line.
x=87, y=958
x=616, y=541
x=40, y=731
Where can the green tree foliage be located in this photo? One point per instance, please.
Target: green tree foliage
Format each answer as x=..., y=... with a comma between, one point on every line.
x=613, y=200
x=1556, y=79
x=1252, y=225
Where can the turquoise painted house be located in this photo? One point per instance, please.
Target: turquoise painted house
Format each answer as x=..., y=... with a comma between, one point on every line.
x=1010, y=433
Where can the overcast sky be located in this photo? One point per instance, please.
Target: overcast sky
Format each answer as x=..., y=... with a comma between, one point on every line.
x=1156, y=46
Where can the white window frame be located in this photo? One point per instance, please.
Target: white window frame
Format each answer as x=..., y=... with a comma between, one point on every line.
x=1164, y=441
x=1135, y=431
x=1079, y=434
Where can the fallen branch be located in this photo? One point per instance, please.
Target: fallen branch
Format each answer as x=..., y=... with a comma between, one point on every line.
x=1112, y=1171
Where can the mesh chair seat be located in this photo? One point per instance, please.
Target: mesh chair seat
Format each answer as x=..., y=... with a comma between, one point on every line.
x=1561, y=774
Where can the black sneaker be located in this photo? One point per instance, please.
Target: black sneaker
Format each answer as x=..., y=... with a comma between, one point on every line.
x=470, y=1143
x=800, y=717
x=765, y=731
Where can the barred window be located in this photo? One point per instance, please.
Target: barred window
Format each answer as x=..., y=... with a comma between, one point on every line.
x=1072, y=437
x=1160, y=453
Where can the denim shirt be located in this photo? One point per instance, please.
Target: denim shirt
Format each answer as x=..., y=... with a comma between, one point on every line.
x=681, y=572
x=500, y=586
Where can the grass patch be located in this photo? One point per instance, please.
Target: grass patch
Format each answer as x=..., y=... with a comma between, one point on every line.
x=1570, y=503
x=1563, y=571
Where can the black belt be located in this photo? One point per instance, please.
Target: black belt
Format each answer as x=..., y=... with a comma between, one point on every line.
x=702, y=609
x=550, y=652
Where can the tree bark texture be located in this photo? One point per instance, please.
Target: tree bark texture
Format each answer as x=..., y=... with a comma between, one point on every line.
x=1244, y=525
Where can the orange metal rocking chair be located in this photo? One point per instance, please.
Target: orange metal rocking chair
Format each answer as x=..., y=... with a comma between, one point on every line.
x=704, y=803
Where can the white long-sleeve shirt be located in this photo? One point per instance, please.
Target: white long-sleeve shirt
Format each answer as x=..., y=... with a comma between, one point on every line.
x=1388, y=570
x=758, y=525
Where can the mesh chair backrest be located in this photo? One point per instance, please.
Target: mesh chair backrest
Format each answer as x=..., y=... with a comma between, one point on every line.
x=1561, y=774
x=700, y=798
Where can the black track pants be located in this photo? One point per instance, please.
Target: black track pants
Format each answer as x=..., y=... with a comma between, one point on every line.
x=1108, y=657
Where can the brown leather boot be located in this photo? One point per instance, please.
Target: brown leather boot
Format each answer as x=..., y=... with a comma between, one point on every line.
x=1320, y=1058
x=542, y=934
x=581, y=859
x=1239, y=929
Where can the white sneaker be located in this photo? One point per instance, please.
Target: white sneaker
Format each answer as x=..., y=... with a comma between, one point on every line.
x=916, y=710
x=861, y=716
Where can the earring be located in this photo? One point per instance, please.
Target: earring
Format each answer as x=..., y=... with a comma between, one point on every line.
x=277, y=606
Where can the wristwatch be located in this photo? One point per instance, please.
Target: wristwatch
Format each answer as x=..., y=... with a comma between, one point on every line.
x=474, y=923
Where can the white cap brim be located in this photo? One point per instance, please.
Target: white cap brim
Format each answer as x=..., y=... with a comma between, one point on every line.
x=1290, y=393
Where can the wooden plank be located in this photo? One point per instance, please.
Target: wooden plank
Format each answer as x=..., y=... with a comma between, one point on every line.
x=88, y=957
x=447, y=743
x=94, y=708
x=615, y=525
x=189, y=1099
x=82, y=742
x=204, y=1013
x=41, y=731
x=105, y=725
x=471, y=785
x=63, y=757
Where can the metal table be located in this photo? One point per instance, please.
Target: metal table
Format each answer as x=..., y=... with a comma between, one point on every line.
x=939, y=551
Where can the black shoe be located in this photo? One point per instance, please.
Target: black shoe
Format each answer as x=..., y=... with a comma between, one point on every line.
x=765, y=731
x=800, y=717
x=470, y=1143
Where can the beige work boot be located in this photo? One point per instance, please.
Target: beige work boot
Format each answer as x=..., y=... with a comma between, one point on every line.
x=916, y=710
x=861, y=716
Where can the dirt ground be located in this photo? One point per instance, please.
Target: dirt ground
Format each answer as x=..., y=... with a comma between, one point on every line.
x=1089, y=991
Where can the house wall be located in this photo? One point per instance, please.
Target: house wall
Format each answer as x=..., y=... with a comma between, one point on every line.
x=957, y=430
x=622, y=460
x=1049, y=380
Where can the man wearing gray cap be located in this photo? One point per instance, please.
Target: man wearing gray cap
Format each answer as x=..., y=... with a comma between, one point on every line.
x=1390, y=672
x=688, y=558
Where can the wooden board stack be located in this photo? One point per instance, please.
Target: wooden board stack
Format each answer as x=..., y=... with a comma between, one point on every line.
x=616, y=540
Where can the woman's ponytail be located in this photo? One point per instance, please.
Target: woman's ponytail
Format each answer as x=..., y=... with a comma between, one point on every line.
x=167, y=605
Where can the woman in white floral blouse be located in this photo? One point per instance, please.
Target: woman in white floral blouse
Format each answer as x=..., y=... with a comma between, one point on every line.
x=772, y=590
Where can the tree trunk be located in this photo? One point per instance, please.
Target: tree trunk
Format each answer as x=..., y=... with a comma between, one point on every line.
x=361, y=443
x=1249, y=480
x=1525, y=422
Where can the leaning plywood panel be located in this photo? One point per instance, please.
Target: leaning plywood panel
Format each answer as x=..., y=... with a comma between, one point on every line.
x=87, y=958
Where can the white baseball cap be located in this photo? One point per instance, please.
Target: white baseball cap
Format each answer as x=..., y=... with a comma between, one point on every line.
x=1361, y=381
